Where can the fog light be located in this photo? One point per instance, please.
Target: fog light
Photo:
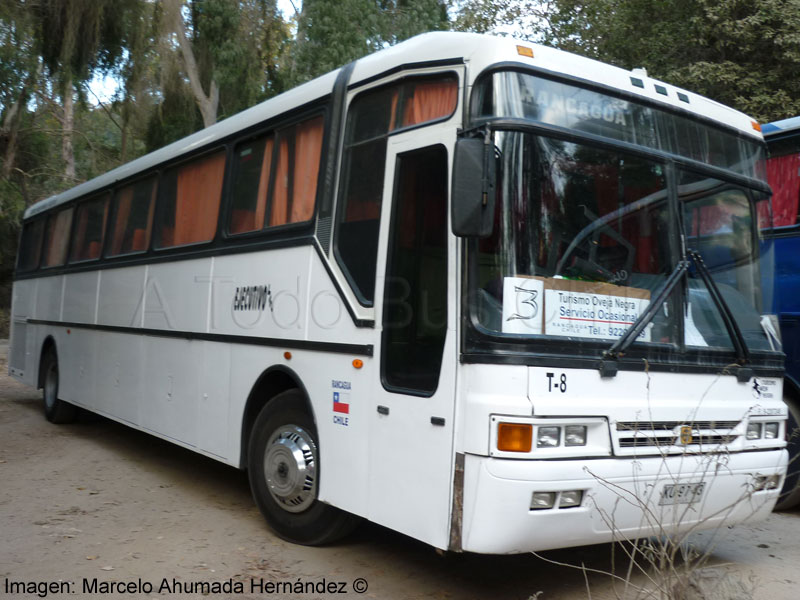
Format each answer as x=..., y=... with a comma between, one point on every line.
x=761, y=482
x=542, y=500
x=754, y=431
x=570, y=499
x=548, y=437
x=575, y=435
x=771, y=430
x=514, y=437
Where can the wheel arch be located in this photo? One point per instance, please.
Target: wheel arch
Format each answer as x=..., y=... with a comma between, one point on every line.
x=790, y=492
x=49, y=344
x=273, y=381
x=791, y=388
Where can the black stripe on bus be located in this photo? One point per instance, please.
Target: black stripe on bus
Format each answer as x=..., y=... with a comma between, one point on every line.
x=427, y=64
x=358, y=349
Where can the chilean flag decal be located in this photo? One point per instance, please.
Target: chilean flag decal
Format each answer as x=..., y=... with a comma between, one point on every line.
x=341, y=403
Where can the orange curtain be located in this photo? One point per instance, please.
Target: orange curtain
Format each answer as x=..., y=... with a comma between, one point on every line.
x=431, y=100
x=79, y=241
x=197, y=203
x=124, y=203
x=307, y=152
x=251, y=218
x=280, y=197
x=393, y=114
x=96, y=246
x=58, y=238
x=84, y=245
x=263, y=184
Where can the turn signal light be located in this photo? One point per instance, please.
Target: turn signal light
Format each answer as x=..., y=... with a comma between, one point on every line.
x=514, y=437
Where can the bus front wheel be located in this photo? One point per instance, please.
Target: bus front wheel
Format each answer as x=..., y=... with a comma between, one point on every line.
x=283, y=467
x=55, y=410
x=790, y=494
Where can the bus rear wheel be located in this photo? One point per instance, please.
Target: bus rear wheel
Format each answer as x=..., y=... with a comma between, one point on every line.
x=283, y=467
x=55, y=410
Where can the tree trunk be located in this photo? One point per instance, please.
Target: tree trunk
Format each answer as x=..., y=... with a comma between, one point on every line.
x=10, y=129
x=11, y=125
x=206, y=103
x=68, y=124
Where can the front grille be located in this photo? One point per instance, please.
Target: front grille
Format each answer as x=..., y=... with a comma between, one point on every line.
x=656, y=425
x=659, y=441
x=665, y=435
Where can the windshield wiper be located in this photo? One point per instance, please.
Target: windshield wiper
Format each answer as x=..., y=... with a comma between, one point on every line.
x=739, y=344
x=608, y=365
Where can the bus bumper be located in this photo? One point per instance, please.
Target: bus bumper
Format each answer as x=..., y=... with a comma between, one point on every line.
x=621, y=498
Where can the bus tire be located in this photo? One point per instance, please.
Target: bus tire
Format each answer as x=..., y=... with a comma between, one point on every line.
x=55, y=410
x=283, y=468
x=790, y=493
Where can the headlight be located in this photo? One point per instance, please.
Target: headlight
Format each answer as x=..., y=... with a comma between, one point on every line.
x=771, y=430
x=575, y=435
x=548, y=437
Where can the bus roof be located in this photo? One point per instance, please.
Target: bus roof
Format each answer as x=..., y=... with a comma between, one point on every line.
x=777, y=127
x=480, y=52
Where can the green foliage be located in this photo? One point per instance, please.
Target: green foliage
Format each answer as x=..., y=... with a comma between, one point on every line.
x=17, y=54
x=78, y=36
x=485, y=16
x=740, y=53
x=11, y=207
x=744, y=54
x=176, y=116
x=332, y=33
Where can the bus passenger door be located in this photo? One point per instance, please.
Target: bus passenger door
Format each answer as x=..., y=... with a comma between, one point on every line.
x=411, y=431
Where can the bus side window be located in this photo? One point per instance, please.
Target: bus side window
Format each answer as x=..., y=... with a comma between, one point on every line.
x=429, y=100
x=190, y=196
x=296, y=173
x=251, y=169
x=30, y=249
x=415, y=297
x=57, y=238
x=133, y=217
x=87, y=243
x=372, y=117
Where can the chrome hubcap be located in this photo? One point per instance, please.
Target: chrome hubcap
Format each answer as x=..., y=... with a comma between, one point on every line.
x=290, y=468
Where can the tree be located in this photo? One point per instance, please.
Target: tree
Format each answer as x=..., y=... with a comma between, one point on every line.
x=76, y=38
x=18, y=72
x=743, y=54
x=332, y=33
x=228, y=51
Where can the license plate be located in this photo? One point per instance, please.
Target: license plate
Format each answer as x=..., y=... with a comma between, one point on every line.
x=682, y=493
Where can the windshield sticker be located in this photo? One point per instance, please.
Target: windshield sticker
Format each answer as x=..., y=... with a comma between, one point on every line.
x=572, y=308
x=523, y=298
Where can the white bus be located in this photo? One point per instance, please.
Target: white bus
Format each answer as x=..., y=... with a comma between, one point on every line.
x=494, y=296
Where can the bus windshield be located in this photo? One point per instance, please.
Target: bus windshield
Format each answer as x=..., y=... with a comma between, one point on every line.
x=582, y=242
x=516, y=94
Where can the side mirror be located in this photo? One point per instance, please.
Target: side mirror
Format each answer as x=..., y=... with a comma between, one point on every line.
x=473, y=197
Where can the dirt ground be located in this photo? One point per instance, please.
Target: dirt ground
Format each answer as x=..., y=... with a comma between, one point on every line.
x=88, y=506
